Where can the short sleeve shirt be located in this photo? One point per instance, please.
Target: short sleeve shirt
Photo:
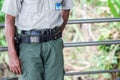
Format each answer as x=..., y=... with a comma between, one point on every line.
x=36, y=14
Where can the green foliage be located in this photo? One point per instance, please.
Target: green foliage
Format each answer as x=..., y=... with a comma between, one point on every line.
x=109, y=57
x=97, y=2
x=2, y=38
x=1, y=14
x=114, y=6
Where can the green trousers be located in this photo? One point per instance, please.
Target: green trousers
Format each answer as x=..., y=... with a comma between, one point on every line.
x=42, y=61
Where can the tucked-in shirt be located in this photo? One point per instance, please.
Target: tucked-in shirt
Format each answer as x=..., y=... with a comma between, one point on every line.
x=36, y=14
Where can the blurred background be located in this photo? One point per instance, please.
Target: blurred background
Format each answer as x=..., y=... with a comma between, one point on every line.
x=85, y=58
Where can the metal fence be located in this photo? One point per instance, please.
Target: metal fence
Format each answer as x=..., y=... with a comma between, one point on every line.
x=79, y=44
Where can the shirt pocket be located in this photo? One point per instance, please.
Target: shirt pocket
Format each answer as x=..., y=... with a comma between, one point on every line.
x=30, y=6
x=53, y=5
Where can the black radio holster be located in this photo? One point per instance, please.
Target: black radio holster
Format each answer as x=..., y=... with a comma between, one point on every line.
x=17, y=41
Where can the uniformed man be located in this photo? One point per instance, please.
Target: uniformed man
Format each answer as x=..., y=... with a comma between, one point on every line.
x=41, y=23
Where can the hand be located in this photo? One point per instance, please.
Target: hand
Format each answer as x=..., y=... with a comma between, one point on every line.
x=14, y=64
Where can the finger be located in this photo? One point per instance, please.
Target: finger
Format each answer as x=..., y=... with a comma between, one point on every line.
x=12, y=69
x=16, y=70
x=19, y=70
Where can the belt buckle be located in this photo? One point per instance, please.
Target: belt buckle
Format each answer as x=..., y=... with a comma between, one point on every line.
x=34, y=39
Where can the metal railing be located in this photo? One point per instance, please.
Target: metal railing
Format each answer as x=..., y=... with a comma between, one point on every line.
x=98, y=20
x=90, y=43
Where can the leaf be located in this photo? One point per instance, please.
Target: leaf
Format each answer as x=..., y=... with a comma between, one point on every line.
x=117, y=3
x=112, y=8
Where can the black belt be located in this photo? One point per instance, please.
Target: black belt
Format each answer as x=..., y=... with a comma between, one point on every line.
x=39, y=36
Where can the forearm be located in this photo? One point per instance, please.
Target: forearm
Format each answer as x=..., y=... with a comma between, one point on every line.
x=10, y=33
x=65, y=15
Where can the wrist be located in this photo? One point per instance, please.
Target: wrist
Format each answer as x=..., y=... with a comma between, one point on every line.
x=12, y=53
x=61, y=29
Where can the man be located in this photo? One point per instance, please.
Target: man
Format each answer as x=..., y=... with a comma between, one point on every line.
x=41, y=23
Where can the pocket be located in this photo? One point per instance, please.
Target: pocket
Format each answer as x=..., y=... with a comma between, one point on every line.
x=55, y=5
x=60, y=43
